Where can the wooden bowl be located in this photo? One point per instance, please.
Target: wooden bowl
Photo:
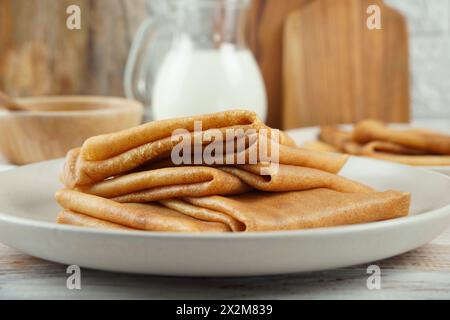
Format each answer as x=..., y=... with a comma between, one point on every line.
x=54, y=125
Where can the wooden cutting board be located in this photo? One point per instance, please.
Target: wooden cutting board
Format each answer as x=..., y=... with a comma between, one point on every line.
x=265, y=34
x=337, y=70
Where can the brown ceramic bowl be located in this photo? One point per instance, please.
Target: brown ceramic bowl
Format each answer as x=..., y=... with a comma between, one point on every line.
x=54, y=125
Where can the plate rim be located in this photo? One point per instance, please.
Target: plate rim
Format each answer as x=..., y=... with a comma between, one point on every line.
x=323, y=231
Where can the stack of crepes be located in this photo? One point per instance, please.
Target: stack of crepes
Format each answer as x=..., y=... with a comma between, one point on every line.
x=129, y=180
x=371, y=138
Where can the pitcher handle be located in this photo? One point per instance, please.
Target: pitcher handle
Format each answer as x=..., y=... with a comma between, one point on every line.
x=135, y=77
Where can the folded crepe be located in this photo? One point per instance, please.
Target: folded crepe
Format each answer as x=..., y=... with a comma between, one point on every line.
x=116, y=154
x=336, y=138
x=199, y=181
x=315, y=208
x=71, y=218
x=166, y=183
x=418, y=139
x=150, y=217
x=397, y=153
x=342, y=141
x=319, y=146
x=106, y=146
x=255, y=211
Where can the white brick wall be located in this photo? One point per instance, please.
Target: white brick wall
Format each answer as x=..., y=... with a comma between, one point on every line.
x=429, y=27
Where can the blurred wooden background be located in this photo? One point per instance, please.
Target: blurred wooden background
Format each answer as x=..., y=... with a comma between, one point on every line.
x=337, y=70
x=265, y=34
x=40, y=56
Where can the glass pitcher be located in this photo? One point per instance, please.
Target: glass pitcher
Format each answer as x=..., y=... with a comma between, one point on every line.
x=191, y=57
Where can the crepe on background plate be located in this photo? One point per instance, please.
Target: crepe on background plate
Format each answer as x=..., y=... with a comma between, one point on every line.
x=373, y=139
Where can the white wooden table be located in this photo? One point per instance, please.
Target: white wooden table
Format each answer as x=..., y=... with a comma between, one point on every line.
x=420, y=274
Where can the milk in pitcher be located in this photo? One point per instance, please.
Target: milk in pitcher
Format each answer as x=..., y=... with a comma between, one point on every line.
x=199, y=81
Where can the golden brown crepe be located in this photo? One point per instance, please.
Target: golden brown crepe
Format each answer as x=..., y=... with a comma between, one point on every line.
x=396, y=153
x=177, y=182
x=255, y=211
x=294, y=178
x=372, y=130
x=380, y=147
x=335, y=137
x=151, y=217
x=319, y=146
x=316, y=208
x=86, y=166
x=166, y=183
x=112, y=154
x=203, y=214
x=342, y=141
x=106, y=146
x=76, y=219
x=79, y=171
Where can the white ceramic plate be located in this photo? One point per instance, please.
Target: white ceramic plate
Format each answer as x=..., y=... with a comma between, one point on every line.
x=301, y=136
x=4, y=165
x=27, y=212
